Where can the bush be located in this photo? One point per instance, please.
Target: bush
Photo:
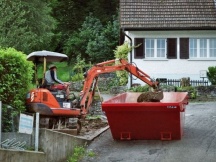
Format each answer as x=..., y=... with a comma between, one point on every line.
x=139, y=88
x=77, y=77
x=79, y=68
x=191, y=91
x=211, y=74
x=122, y=52
x=16, y=76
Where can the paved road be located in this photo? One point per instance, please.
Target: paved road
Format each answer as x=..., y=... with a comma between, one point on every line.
x=197, y=145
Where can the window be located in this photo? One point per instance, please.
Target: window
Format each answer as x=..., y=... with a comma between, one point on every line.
x=160, y=48
x=212, y=47
x=202, y=48
x=193, y=48
x=155, y=48
x=149, y=47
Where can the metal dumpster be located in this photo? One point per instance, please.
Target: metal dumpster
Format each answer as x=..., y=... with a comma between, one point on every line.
x=129, y=120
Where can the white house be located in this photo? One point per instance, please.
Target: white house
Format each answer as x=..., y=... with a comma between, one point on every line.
x=178, y=37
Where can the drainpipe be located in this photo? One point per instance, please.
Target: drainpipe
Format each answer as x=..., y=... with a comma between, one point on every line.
x=130, y=53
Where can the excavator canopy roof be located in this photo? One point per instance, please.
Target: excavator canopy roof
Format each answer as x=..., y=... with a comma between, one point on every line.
x=38, y=56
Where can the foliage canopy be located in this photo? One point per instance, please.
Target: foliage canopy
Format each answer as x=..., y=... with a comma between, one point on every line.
x=93, y=41
x=26, y=25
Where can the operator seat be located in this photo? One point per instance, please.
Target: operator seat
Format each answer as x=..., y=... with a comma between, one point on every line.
x=55, y=92
x=48, y=86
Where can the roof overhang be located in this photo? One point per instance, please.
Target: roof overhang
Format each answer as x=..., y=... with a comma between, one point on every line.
x=168, y=28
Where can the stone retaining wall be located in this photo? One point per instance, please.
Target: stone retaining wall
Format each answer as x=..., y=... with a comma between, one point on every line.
x=203, y=93
x=207, y=91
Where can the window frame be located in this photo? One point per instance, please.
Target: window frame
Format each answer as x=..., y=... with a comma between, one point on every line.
x=155, y=48
x=199, y=48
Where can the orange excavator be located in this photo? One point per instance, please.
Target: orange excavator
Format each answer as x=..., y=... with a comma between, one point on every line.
x=52, y=103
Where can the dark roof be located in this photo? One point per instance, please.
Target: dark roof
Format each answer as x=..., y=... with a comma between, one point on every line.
x=167, y=14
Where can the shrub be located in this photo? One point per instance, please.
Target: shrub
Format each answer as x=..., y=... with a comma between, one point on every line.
x=77, y=77
x=211, y=74
x=191, y=91
x=16, y=76
x=79, y=68
x=79, y=153
x=122, y=52
x=140, y=88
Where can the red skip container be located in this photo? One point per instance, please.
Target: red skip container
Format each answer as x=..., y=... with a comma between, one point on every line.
x=129, y=120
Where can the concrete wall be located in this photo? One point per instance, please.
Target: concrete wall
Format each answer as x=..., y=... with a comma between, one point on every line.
x=21, y=156
x=19, y=137
x=56, y=147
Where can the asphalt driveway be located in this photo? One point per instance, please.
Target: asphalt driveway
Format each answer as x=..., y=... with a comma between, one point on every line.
x=197, y=145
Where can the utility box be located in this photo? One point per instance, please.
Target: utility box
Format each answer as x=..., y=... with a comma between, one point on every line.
x=130, y=120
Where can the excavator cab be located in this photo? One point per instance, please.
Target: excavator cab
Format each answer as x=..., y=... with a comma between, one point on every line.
x=48, y=102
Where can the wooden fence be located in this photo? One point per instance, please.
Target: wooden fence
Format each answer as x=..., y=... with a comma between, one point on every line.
x=177, y=82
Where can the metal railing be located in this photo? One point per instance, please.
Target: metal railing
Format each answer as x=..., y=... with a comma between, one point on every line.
x=177, y=82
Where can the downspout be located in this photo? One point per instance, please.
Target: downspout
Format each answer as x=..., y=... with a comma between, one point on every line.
x=130, y=53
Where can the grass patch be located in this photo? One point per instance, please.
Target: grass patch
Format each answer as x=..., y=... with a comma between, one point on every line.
x=79, y=153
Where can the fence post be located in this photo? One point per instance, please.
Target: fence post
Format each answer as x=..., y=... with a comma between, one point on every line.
x=37, y=132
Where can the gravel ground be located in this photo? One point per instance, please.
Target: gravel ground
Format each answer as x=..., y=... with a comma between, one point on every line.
x=197, y=145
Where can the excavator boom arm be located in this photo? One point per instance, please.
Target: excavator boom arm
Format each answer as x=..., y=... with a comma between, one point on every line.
x=107, y=67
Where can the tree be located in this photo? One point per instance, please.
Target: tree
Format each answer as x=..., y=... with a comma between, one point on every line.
x=102, y=46
x=71, y=14
x=103, y=9
x=93, y=41
x=26, y=25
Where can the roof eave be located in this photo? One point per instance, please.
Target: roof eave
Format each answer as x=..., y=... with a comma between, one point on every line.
x=166, y=28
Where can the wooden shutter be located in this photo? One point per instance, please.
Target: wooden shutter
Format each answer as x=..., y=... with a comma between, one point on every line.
x=122, y=37
x=139, y=51
x=184, y=48
x=172, y=48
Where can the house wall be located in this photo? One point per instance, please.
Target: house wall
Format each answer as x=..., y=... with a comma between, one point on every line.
x=172, y=68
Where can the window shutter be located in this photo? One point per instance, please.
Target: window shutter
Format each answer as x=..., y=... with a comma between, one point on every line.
x=184, y=48
x=171, y=48
x=122, y=37
x=139, y=51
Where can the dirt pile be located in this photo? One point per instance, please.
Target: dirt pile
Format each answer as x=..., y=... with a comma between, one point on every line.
x=91, y=125
x=150, y=97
